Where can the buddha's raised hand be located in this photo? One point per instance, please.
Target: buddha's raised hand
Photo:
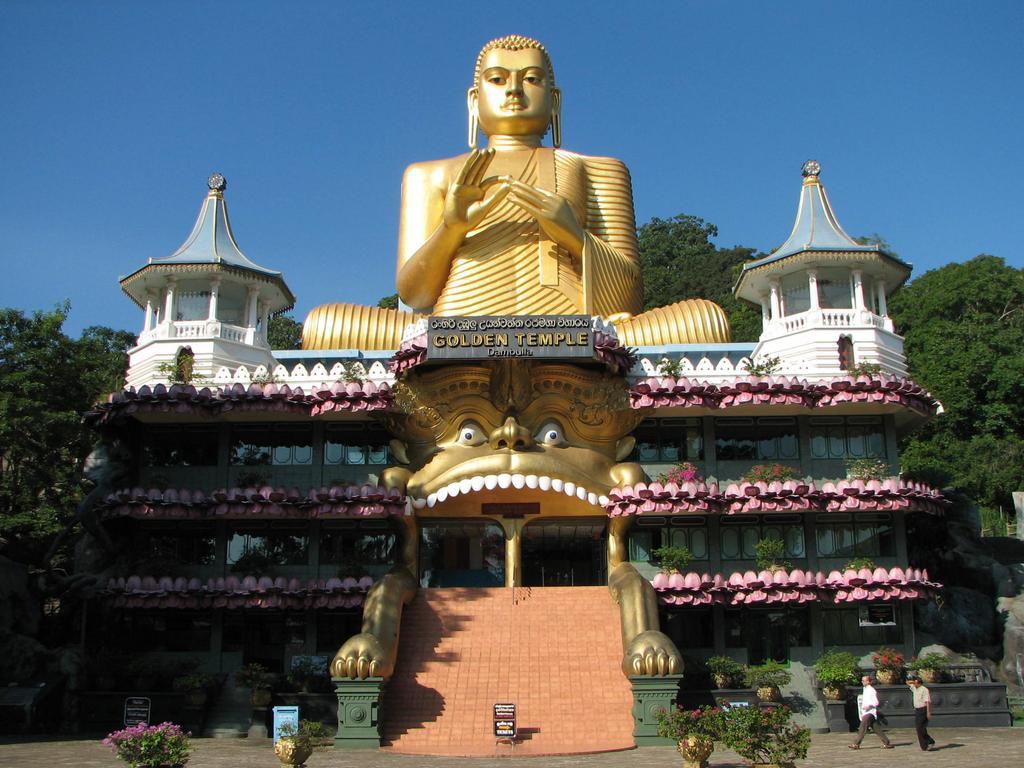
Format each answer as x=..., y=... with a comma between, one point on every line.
x=466, y=203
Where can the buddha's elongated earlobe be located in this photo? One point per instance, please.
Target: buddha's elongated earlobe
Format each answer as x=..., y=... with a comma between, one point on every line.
x=556, y=117
x=474, y=120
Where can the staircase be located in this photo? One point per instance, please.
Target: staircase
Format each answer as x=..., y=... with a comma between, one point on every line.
x=555, y=652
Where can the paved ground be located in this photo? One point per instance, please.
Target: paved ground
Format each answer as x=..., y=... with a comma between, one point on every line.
x=958, y=747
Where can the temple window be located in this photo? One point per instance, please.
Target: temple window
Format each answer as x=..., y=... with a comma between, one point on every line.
x=835, y=288
x=738, y=537
x=354, y=444
x=192, y=305
x=357, y=548
x=669, y=440
x=255, y=548
x=650, y=533
x=333, y=628
x=689, y=627
x=850, y=437
x=762, y=439
x=162, y=631
x=279, y=445
x=180, y=447
x=796, y=294
x=767, y=634
x=165, y=547
x=844, y=626
x=846, y=536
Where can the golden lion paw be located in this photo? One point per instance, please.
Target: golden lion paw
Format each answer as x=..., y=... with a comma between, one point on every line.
x=652, y=654
x=360, y=657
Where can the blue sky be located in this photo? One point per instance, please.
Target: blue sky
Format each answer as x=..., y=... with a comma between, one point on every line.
x=116, y=112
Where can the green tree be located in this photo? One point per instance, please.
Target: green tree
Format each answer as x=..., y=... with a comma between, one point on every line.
x=389, y=302
x=678, y=261
x=964, y=330
x=284, y=332
x=47, y=380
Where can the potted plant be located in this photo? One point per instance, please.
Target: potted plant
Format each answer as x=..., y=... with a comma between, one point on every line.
x=856, y=563
x=196, y=687
x=867, y=469
x=151, y=746
x=766, y=737
x=724, y=671
x=768, y=678
x=930, y=666
x=695, y=732
x=771, y=555
x=258, y=680
x=889, y=665
x=685, y=472
x=835, y=670
x=297, y=744
x=672, y=559
x=768, y=473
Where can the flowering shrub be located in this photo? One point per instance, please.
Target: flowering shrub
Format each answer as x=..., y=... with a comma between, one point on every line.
x=867, y=469
x=888, y=658
x=765, y=735
x=150, y=745
x=933, y=661
x=677, y=724
x=681, y=473
x=767, y=473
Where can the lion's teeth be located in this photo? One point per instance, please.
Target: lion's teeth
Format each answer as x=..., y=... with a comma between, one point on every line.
x=518, y=481
x=419, y=503
x=465, y=485
x=442, y=494
x=477, y=483
x=602, y=500
x=570, y=489
x=490, y=482
x=432, y=500
x=531, y=481
x=557, y=485
x=453, y=490
x=544, y=483
x=408, y=506
x=504, y=480
x=592, y=499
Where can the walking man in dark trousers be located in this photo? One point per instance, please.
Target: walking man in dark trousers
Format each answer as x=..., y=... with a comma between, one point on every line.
x=922, y=712
x=869, y=715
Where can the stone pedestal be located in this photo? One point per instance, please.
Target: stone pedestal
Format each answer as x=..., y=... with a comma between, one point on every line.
x=258, y=723
x=650, y=696
x=359, y=711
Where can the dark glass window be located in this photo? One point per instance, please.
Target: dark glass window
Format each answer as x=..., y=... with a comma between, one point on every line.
x=841, y=626
x=180, y=447
x=689, y=628
x=866, y=535
x=767, y=634
x=333, y=628
x=174, y=545
x=360, y=547
x=853, y=437
x=669, y=441
x=766, y=438
x=738, y=537
x=649, y=533
x=169, y=630
x=355, y=444
x=264, y=446
x=252, y=549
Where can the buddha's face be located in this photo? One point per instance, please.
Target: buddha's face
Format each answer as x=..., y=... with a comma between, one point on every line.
x=514, y=93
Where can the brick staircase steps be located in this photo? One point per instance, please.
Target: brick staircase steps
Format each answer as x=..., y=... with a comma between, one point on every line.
x=555, y=653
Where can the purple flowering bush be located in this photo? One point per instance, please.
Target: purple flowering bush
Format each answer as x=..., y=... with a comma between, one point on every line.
x=146, y=746
x=686, y=472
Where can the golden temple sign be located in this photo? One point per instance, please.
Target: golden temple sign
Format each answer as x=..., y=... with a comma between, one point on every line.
x=552, y=337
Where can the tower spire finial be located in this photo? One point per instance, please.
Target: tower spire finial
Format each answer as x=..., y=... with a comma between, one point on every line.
x=217, y=183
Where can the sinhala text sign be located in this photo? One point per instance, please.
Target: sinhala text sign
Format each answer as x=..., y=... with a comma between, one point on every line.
x=504, y=721
x=136, y=710
x=475, y=338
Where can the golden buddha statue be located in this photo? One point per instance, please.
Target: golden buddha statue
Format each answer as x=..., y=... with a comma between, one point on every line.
x=517, y=228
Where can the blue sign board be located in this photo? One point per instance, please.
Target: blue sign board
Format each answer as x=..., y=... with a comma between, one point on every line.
x=284, y=715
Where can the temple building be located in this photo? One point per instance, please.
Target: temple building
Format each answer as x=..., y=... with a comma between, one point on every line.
x=481, y=511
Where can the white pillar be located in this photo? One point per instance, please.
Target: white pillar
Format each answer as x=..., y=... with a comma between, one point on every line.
x=250, y=315
x=169, y=305
x=883, y=308
x=766, y=312
x=858, y=289
x=214, y=294
x=148, y=322
x=812, y=287
x=775, y=300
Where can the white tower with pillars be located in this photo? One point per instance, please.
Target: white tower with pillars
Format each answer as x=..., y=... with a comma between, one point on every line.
x=823, y=296
x=206, y=301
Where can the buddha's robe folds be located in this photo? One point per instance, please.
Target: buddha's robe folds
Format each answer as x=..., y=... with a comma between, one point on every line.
x=507, y=266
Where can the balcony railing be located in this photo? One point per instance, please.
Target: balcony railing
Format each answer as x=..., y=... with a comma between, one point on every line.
x=202, y=329
x=828, y=318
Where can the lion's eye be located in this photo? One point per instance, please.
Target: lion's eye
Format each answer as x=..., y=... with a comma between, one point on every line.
x=471, y=434
x=551, y=434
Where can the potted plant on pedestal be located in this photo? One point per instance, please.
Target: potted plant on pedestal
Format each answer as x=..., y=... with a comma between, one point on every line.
x=151, y=746
x=725, y=672
x=196, y=687
x=889, y=665
x=768, y=678
x=835, y=670
x=930, y=666
x=766, y=737
x=694, y=731
x=297, y=744
x=258, y=680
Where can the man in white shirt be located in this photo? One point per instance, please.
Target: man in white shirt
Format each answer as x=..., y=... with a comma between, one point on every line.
x=922, y=712
x=869, y=715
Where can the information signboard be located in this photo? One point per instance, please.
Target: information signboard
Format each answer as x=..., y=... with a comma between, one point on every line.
x=284, y=715
x=552, y=337
x=137, y=710
x=504, y=721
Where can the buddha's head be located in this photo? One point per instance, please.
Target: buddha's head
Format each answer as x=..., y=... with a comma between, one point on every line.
x=513, y=91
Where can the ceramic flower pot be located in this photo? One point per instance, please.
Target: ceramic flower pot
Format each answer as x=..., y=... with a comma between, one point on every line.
x=769, y=693
x=833, y=692
x=260, y=697
x=695, y=751
x=722, y=681
x=196, y=698
x=930, y=676
x=888, y=676
x=290, y=753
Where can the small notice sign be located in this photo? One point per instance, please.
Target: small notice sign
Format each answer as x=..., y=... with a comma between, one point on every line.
x=504, y=721
x=136, y=710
